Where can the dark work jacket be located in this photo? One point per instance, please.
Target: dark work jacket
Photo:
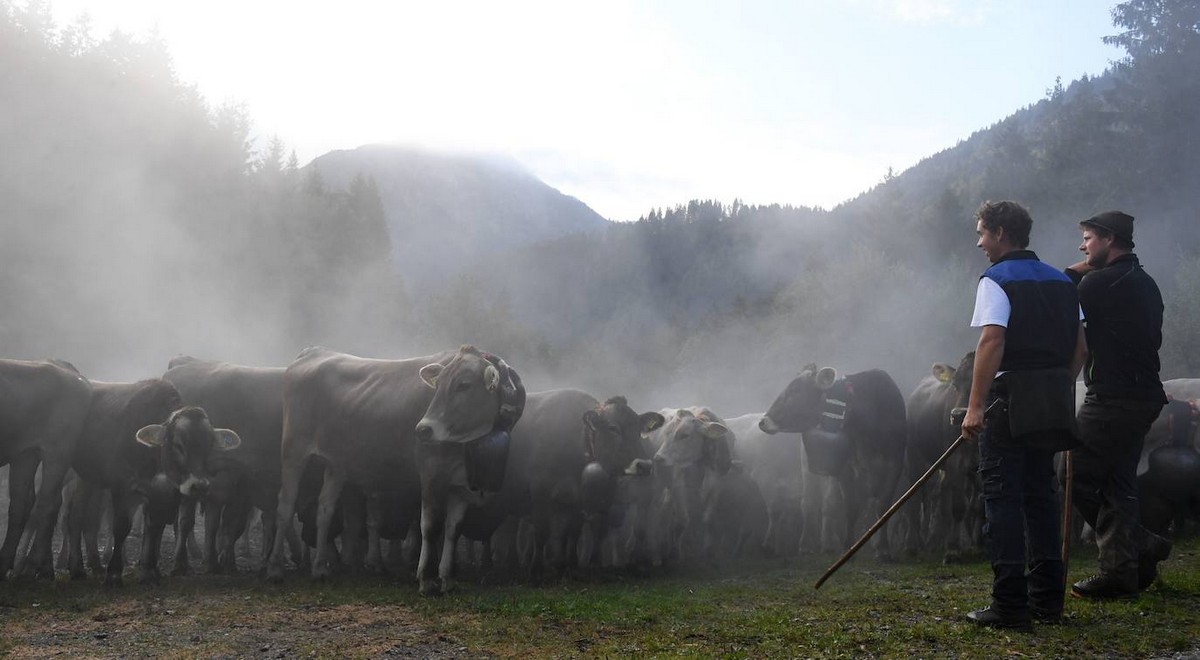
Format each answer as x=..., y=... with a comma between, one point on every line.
x=1123, y=315
x=1044, y=322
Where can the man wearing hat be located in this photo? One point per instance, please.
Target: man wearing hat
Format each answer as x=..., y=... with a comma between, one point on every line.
x=1123, y=314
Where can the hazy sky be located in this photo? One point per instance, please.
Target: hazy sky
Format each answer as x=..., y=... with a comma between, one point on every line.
x=632, y=105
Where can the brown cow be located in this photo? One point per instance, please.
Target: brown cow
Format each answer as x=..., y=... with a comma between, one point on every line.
x=143, y=445
x=394, y=428
x=248, y=400
x=43, y=406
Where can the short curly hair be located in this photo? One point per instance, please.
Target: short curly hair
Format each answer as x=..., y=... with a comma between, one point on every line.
x=1010, y=216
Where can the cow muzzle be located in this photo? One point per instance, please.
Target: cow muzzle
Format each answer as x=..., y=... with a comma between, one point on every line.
x=194, y=487
x=768, y=425
x=429, y=430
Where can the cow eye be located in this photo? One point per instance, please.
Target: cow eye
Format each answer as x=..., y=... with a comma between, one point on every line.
x=462, y=386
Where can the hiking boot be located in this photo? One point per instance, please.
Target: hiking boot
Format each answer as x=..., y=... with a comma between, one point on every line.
x=1105, y=587
x=991, y=619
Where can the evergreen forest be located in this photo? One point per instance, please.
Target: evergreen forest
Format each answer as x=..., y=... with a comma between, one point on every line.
x=139, y=221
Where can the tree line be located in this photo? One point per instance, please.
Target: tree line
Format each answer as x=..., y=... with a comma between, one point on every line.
x=139, y=221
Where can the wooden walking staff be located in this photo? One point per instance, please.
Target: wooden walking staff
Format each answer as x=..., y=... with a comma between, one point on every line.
x=957, y=413
x=1066, y=518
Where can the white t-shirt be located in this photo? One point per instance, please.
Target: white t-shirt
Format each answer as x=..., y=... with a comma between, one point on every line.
x=991, y=304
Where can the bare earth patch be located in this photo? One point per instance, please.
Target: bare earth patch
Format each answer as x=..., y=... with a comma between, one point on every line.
x=221, y=625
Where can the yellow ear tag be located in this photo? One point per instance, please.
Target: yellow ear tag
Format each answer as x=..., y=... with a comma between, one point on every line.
x=943, y=376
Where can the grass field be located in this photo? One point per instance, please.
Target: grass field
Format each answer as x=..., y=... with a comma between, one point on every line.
x=752, y=610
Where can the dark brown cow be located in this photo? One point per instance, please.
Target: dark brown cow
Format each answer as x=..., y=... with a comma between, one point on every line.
x=574, y=451
x=43, y=407
x=569, y=454
x=854, y=429
x=943, y=514
x=393, y=428
x=248, y=400
x=145, y=447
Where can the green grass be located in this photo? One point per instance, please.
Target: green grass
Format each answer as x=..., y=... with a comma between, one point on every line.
x=758, y=609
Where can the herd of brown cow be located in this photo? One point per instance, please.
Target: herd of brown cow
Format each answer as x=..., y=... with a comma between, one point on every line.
x=345, y=455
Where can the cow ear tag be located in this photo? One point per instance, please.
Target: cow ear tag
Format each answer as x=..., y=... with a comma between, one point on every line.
x=942, y=373
x=226, y=440
x=651, y=421
x=151, y=435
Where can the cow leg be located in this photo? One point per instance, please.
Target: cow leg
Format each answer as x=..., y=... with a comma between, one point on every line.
x=122, y=521
x=353, y=505
x=93, y=517
x=233, y=525
x=954, y=505
x=812, y=505
x=374, y=559
x=45, y=513
x=331, y=490
x=185, y=522
x=431, y=532
x=71, y=487
x=284, y=512
x=916, y=512
x=76, y=518
x=152, y=533
x=456, y=509
x=853, y=506
x=772, y=540
x=214, y=523
x=882, y=495
x=295, y=546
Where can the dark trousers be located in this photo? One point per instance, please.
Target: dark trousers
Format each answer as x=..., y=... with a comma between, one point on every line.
x=1020, y=505
x=1105, y=475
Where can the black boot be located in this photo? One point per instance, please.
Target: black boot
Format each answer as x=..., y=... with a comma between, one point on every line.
x=992, y=619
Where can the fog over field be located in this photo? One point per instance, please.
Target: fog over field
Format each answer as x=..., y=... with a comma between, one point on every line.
x=142, y=221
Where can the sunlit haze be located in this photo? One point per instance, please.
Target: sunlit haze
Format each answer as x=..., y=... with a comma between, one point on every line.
x=630, y=105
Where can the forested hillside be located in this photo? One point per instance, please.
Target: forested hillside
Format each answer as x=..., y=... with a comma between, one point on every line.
x=140, y=222
x=722, y=303
x=444, y=210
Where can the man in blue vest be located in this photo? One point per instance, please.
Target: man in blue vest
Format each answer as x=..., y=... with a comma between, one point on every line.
x=1031, y=346
x=1124, y=313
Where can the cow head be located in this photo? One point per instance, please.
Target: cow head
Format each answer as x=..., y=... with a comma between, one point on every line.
x=959, y=381
x=799, y=407
x=694, y=438
x=474, y=394
x=612, y=433
x=184, y=443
